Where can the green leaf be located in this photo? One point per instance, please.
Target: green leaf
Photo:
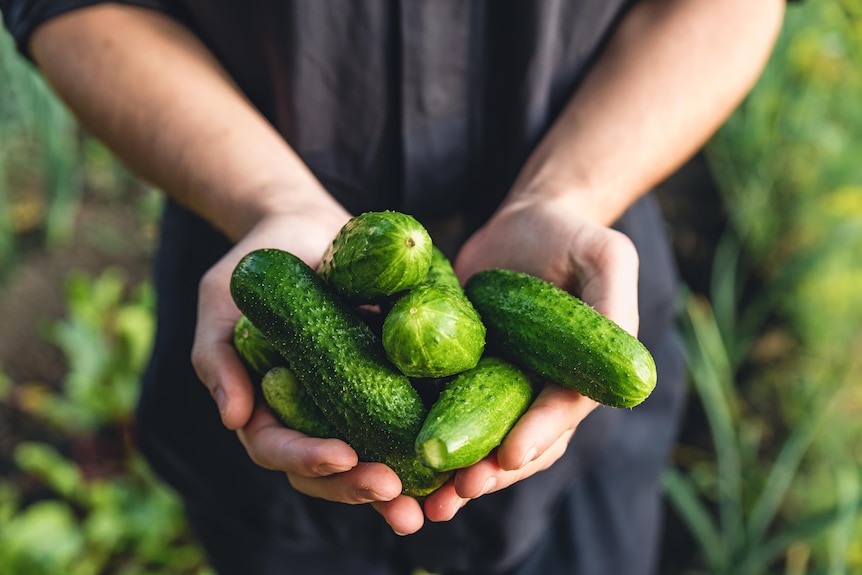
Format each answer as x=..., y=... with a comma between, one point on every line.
x=46, y=463
x=45, y=536
x=684, y=499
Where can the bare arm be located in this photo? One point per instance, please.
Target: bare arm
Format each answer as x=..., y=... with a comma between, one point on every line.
x=148, y=88
x=672, y=73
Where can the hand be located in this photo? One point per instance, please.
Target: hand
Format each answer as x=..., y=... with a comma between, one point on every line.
x=546, y=238
x=324, y=468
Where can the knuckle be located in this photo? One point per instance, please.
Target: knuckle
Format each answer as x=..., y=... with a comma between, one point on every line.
x=621, y=248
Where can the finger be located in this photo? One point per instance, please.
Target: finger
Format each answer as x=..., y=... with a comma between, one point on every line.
x=487, y=476
x=555, y=412
x=213, y=355
x=403, y=514
x=365, y=483
x=443, y=504
x=274, y=446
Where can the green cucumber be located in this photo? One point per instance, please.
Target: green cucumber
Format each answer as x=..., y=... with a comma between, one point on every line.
x=433, y=331
x=377, y=255
x=370, y=404
x=473, y=414
x=441, y=270
x=253, y=347
x=293, y=405
x=556, y=335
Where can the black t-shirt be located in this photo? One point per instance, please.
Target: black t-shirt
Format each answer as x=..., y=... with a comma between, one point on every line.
x=429, y=107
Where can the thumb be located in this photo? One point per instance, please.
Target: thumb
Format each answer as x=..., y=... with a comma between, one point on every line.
x=215, y=360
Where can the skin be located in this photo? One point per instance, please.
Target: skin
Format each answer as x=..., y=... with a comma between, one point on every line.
x=146, y=86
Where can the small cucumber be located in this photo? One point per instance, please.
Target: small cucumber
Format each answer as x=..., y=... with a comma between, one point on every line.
x=253, y=347
x=441, y=270
x=549, y=331
x=335, y=355
x=290, y=401
x=376, y=255
x=433, y=331
x=473, y=414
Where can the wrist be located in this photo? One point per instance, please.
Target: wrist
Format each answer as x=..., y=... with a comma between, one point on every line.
x=562, y=184
x=307, y=203
x=562, y=197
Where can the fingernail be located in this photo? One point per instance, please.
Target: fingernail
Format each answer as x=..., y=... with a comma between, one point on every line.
x=399, y=534
x=221, y=400
x=329, y=469
x=369, y=495
x=531, y=455
x=458, y=505
x=489, y=486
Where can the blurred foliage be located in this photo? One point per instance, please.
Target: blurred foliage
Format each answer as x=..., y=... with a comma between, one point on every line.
x=91, y=505
x=788, y=165
x=103, y=380
x=35, y=126
x=48, y=163
x=774, y=352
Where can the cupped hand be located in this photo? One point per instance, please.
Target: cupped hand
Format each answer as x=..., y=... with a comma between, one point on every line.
x=323, y=468
x=546, y=238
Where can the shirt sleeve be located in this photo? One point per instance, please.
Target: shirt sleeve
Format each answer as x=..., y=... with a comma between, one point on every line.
x=22, y=17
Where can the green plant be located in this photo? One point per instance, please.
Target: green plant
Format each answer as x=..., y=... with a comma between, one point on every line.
x=123, y=524
x=106, y=336
x=88, y=504
x=747, y=534
x=775, y=349
x=36, y=125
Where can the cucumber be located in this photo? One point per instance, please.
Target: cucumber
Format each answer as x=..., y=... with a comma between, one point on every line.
x=376, y=255
x=556, y=335
x=441, y=270
x=290, y=401
x=433, y=331
x=370, y=404
x=253, y=347
x=473, y=414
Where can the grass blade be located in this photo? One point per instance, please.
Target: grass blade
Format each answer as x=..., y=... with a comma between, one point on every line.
x=849, y=501
x=684, y=499
x=782, y=474
x=759, y=558
x=711, y=377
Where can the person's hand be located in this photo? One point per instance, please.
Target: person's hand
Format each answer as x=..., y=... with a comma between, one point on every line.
x=549, y=239
x=323, y=468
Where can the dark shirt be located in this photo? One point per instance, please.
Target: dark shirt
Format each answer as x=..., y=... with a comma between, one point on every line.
x=430, y=107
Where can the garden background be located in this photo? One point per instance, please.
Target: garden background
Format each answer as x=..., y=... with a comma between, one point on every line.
x=767, y=225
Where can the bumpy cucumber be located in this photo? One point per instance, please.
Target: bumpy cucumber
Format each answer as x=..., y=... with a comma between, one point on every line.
x=433, y=331
x=335, y=355
x=547, y=330
x=441, y=270
x=473, y=414
x=290, y=401
x=376, y=255
x=253, y=347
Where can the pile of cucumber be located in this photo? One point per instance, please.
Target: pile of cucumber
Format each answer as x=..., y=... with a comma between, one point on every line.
x=382, y=347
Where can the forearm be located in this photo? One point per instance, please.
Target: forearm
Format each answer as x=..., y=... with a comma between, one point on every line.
x=152, y=92
x=671, y=74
